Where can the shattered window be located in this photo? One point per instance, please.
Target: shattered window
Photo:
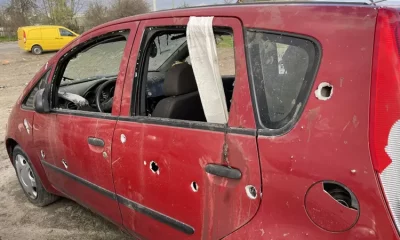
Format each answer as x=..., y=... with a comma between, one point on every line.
x=100, y=61
x=164, y=46
x=281, y=66
x=39, y=85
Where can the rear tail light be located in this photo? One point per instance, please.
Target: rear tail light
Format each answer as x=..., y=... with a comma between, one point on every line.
x=385, y=107
x=24, y=36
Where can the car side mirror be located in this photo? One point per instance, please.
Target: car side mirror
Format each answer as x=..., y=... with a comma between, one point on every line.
x=153, y=50
x=41, y=102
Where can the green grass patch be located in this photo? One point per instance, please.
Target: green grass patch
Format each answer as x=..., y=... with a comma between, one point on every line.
x=8, y=39
x=226, y=42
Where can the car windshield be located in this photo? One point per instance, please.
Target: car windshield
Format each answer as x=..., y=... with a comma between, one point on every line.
x=165, y=45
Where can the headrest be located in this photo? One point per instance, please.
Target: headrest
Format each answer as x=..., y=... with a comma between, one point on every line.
x=179, y=80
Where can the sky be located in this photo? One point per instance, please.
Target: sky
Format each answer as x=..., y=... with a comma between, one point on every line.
x=165, y=4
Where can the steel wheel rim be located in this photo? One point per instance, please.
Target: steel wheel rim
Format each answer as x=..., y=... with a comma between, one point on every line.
x=26, y=176
x=36, y=50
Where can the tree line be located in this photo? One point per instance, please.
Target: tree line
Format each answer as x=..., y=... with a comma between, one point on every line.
x=77, y=15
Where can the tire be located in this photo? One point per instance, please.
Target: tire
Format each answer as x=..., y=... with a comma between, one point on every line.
x=38, y=195
x=37, y=50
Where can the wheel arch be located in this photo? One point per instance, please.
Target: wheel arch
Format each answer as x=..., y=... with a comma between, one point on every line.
x=10, y=145
x=36, y=44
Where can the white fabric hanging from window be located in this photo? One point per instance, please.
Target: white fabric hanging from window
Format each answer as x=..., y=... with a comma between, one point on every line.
x=204, y=59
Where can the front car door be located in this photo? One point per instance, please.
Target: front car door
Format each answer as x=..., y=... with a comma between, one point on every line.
x=78, y=137
x=66, y=36
x=172, y=176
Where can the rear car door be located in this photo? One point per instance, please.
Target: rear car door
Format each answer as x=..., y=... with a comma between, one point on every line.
x=172, y=176
x=78, y=137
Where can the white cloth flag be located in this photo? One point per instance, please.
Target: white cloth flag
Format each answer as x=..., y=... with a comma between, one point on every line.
x=203, y=56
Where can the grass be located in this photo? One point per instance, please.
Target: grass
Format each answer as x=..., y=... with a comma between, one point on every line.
x=8, y=39
x=227, y=42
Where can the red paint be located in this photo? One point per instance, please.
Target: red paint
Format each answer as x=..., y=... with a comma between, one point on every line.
x=218, y=202
x=329, y=142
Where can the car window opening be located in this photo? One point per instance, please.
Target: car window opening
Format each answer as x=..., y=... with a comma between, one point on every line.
x=87, y=78
x=170, y=89
x=281, y=68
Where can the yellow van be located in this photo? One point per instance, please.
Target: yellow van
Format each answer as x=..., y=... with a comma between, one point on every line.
x=44, y=38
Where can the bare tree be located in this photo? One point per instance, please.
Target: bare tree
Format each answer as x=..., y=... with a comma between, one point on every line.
x=17, y=13
x=125, y=8
x=60, y=12
x=96, y=14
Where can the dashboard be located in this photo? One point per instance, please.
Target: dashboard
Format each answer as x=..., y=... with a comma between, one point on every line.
x=88, y=90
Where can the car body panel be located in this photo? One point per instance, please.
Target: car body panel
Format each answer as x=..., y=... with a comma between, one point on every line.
x=75, y=167
x=328, y=143
x=220, y=205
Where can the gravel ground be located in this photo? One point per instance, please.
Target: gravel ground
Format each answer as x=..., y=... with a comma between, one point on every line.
x=18, y=218
x=64, y=219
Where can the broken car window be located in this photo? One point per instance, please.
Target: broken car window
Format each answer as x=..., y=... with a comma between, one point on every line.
x=90, y=75
x=102, y=60
x=170, y=89
x=39, y=85
x=280, y=68
x=163, y=47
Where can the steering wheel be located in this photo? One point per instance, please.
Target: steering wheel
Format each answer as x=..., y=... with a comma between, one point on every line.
x=107, y=105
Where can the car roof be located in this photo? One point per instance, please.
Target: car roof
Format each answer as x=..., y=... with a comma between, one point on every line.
x=222, y=10
x=42, y=26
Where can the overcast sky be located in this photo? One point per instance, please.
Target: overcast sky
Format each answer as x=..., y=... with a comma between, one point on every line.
x=165, y=4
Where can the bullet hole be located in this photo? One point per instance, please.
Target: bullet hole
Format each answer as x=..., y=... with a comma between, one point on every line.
x=194, y=186
x=324, y=91
x=251, y=191
x=154, y=167
x=123, y=138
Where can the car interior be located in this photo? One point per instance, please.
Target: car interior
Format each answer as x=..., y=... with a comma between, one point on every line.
x=170, y=89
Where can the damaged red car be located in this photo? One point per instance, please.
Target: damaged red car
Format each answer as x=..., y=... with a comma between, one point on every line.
x=249, y=121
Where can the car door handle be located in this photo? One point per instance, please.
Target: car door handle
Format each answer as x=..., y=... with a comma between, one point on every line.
x=223, y=171
x=96, y=141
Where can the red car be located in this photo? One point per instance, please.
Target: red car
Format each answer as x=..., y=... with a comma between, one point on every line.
x=258, y=121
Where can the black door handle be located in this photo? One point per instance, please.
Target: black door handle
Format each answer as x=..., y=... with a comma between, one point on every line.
x=96, y=142
x=223, y=171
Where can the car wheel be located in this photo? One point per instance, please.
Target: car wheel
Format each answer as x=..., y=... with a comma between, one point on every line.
x=37, y=50
x=30, y=181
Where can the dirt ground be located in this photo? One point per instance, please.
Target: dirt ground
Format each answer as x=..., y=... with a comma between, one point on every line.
x=64, y=219
x=18, y=218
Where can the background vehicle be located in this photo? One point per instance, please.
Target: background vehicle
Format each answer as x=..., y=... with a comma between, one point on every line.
x=44, y=38
x=309, y=149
